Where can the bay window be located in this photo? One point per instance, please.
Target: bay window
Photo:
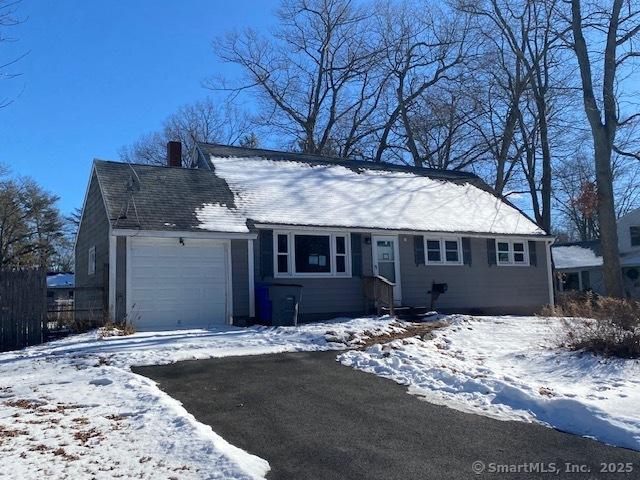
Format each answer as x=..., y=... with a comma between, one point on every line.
x=311, y=254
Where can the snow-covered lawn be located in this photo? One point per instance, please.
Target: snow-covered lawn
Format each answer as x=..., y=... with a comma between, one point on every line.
x=74, y=409
x=510, y=369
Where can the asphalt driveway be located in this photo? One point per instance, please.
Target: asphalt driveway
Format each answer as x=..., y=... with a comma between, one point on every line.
x=312, y=418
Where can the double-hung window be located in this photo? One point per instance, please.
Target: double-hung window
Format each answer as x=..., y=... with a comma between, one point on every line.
x=443, y=251
x=311, y=254
x=511, y=252
x=282, y=253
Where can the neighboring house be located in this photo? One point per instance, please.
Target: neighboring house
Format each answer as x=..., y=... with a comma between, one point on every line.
x=60, y=297
x=578, y=265
x=60, y=288
x=175, y=247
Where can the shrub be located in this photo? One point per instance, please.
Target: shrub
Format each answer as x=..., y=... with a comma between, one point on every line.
x=602, y=325
x=111, y=329
x=90, y=320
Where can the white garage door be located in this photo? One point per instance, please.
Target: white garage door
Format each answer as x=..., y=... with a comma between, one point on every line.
x=176, y=286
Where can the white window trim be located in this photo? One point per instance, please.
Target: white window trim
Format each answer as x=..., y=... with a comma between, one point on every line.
x=92, y=264
x=443, y=252
x=291, y=254
x=511, y=263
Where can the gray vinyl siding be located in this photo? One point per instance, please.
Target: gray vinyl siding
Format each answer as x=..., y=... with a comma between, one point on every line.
x=92, y=290
x=240, y=278
x=324, y=298
x=477, y=288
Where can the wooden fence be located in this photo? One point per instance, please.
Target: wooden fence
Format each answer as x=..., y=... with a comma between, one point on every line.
x=23, y=307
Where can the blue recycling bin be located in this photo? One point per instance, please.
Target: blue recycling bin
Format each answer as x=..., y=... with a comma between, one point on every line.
x=277, y=303
x=263, y=304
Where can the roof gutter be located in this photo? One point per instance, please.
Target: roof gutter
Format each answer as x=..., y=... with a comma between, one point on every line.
x=382, y=231
x=132, y=232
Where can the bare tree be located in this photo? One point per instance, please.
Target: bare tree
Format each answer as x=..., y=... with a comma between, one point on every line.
x=423, y=46
x=314, y=76
x=202, y=121
x=575, y=193
x=528, y=30
x=620, y=29
x=444, y=127
x=500, y=84
x=8, y=19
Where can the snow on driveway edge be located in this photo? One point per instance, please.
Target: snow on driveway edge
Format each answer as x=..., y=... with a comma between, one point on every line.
x=252, y=465
x=73, y=408
x=507, y=368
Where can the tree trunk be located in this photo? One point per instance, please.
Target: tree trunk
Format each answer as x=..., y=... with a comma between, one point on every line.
x=507, y=138
x=603, y=136
x=607, y=217
x=546, y=165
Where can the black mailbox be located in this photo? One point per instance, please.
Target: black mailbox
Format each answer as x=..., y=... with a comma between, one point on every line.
x=439, y=288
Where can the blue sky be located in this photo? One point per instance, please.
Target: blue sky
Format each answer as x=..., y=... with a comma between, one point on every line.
x=101, y=73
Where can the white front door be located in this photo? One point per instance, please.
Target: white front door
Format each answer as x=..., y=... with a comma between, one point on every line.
x=386, y=262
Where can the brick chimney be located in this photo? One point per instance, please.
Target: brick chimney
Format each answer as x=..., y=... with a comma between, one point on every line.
x=174, y=154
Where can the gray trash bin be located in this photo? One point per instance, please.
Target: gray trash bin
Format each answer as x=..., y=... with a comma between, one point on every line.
x=285, y=300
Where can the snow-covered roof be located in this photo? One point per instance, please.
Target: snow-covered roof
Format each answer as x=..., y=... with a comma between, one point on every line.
x=236, y=188
x=587, y=254
x=60, y=280
x=574, y=256
x=290, y=192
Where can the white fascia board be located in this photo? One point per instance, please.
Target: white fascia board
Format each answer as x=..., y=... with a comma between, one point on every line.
x=112, y=276
x=383, y=231
x=132, y=232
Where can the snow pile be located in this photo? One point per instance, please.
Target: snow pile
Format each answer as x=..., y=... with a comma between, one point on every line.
x=575, y=256
x=297, y=193
x=73, y=408
x=507, y=368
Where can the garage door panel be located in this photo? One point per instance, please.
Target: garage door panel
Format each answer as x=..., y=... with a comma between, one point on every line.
x=177, y=286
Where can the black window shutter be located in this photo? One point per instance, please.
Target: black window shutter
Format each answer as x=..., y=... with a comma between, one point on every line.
x=266, y=253
x=466, y=250
x=586, y=280
x=533, y=253
x=356, y=254
x=491, y=251
x=418, y=249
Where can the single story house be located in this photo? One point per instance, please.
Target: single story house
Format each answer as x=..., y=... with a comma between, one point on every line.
x=578, y=265
x=173, y=247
